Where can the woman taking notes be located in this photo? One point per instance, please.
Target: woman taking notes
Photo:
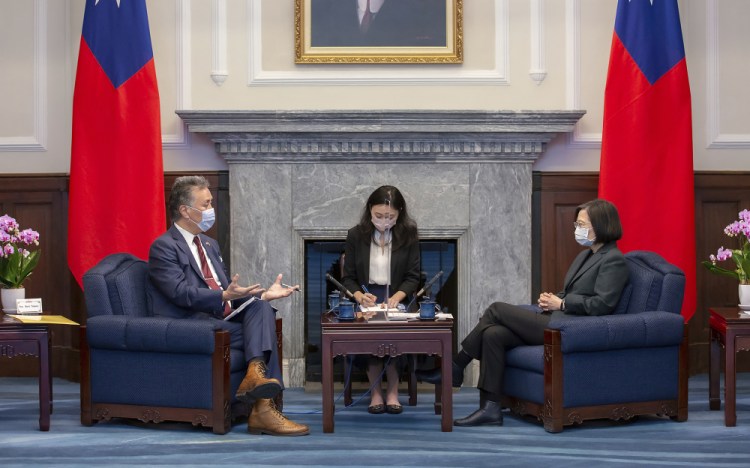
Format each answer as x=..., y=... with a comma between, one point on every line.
x=381, y=266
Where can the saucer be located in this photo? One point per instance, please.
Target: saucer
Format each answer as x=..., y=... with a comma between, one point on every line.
x=745, y=307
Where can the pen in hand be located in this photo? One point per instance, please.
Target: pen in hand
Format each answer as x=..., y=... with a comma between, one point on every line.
x=368, y=293
x=296, y=289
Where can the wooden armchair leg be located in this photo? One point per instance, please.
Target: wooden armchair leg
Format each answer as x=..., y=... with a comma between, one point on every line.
x=222, y=407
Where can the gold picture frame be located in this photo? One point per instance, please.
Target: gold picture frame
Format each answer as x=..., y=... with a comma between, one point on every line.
x=329, y=31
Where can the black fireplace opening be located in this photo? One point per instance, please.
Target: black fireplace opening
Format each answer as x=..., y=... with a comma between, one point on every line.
x=325, y=257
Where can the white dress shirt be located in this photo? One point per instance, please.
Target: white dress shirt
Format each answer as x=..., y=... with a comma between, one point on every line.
x=375, y=6
x=194, y=249
x=380, y=263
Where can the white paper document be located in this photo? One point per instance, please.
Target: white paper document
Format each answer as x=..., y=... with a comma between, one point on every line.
x=377, y=308
x=414, y=315
x=240, y=308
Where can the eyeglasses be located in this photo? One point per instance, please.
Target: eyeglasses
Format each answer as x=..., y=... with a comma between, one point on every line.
x=578, y=224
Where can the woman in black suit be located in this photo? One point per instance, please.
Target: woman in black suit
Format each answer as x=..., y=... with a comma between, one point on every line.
x=381, y=265
x=593, y=285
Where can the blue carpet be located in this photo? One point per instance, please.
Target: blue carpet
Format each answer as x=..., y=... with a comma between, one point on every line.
x=410, y=439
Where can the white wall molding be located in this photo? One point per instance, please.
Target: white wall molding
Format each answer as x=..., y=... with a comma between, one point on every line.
x=715, y=138
x=538, y=70
x=37, y=141
x=576, y=139
x=219, y=72
x=367, y=75
x=181, y=138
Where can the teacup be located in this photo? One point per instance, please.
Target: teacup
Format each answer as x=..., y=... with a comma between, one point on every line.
x=427, y=310
x=346, y=310
x=333, y=301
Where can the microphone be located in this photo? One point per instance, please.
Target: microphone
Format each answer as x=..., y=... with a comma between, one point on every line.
x=427, y=286
x=339, y=286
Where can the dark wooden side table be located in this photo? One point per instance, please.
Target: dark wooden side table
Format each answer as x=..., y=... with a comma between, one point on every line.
x=730, y=330
x=19, y=339
x=387, y=338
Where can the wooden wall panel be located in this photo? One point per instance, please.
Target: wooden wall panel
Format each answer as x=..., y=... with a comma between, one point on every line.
x=718, y=199
x=219, y=182
x=40, y=202
x=556, y=197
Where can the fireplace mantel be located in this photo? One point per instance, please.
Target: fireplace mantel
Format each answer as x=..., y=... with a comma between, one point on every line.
x=305, y=175
x=374, y=136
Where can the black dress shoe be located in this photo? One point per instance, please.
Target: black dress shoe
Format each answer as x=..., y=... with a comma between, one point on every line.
x=394, y=409
x=490, y=413
x=434, y=376
x=376, y=409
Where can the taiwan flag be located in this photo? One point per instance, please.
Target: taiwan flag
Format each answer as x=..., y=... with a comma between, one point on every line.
x=647, y=147
x=116, y=173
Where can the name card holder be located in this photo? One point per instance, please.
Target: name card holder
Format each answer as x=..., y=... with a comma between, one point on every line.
x=29, y=306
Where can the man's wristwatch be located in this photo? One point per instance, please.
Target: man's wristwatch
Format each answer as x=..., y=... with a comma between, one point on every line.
x=562, y=305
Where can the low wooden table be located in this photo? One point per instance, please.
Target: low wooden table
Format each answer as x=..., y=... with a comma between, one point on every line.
x=19, y=339
x=730, y=329
x=387, y=338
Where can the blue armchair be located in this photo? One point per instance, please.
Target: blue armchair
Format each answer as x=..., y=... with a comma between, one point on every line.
x=633, y=362
x=154, y=369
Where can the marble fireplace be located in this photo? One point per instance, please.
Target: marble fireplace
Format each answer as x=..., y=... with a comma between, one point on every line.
x=304, y=175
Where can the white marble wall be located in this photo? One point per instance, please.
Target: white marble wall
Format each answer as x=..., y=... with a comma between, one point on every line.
x=464, y=177
x=492, y=202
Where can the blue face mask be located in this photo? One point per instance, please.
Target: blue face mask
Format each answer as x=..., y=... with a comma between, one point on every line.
x=207, y=218
x=582, y=237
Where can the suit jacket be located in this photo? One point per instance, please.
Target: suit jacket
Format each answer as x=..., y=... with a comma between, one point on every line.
x=594, y=282
x=404, y=263
x=414, y=23
x=176, y=287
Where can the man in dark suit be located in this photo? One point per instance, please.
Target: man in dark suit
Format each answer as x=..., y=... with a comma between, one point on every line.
x=188, y=280
x=378, y=23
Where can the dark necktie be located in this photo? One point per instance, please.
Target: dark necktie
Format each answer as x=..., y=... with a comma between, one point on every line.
x=366, y=19
x=206, y=271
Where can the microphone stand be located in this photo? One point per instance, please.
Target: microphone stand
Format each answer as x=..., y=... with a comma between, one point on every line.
x=426, y=287
x=339, y=286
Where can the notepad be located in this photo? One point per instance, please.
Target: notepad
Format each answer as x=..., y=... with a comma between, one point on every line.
x=377, y=308
x=240, y=308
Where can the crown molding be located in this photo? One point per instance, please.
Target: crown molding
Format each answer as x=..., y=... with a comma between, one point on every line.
x=380, y=135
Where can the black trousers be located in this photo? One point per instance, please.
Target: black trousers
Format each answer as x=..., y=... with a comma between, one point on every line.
x=502, y=327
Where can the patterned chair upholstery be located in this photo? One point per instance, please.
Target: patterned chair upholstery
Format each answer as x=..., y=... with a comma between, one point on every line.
x=134, y=365
x=633, y=362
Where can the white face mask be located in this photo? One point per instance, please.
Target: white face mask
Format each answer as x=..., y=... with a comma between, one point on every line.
x=381, y=224
x=207, y=219
x=582, y=237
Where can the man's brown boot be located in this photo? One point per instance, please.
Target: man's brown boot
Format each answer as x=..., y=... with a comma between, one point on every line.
x=256, y=385
x=266, y=419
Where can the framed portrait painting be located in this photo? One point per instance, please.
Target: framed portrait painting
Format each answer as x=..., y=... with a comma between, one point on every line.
x=378, y=31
